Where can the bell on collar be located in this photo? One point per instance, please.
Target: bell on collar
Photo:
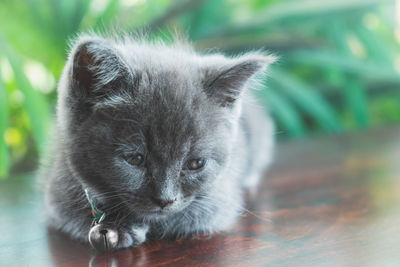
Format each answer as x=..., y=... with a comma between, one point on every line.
x=103, y=238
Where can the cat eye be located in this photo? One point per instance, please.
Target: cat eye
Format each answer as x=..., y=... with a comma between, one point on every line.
x=195, y=164
x=136, y=159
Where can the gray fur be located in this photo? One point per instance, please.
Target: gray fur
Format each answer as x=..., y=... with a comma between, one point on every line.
x=118, y=97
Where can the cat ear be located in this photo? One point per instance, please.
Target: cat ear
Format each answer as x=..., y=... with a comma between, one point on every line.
x=226, y=81
x=97, y=69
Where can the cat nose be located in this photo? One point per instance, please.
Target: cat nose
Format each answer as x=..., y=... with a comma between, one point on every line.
x=163, y=202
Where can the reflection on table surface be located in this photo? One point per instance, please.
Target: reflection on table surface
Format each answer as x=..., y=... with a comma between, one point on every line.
x=330, y=201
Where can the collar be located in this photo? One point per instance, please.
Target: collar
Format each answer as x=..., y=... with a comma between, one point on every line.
x=98, y=215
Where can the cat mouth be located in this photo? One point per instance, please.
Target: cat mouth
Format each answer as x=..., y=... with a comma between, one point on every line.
x=156, y=213
x=160, y=212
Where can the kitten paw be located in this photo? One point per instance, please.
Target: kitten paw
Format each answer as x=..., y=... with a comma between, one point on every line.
x=135, y=237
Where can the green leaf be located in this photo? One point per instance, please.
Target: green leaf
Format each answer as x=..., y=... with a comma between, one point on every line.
x=35, y=104
x=308, y=99
x=374, y=45
x=355, y=98
x=207, y=18
x=79, y=9
x=357, y=102
x=104, y=19
x=326, y=59
x=281, y=12
x=309, y=8
x=282, y=111
x=4, y=157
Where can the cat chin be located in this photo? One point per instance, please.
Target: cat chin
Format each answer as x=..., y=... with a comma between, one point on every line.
x=151, y=216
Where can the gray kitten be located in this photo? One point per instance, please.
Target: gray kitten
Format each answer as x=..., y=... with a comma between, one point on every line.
x=164, y=139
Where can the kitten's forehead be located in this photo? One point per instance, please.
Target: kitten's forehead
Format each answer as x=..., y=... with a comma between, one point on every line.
x=164, y=120
x=168, y=84
x=158, y=58
x=172, y=122
x=167, y=102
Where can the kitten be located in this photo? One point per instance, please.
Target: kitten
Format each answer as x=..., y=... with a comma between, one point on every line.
x=165, y=139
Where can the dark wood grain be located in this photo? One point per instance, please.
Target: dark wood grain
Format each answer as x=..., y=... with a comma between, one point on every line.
x=331, y=201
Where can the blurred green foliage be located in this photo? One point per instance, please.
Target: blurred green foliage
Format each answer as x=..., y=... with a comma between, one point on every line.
x=339, y=67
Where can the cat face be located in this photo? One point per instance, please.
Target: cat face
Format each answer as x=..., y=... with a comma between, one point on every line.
x=157, y=154
x=151, y=128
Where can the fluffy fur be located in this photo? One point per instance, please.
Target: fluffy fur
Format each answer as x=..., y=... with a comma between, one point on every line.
x=119, y=97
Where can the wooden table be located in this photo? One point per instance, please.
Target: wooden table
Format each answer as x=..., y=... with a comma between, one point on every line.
x=325, y=202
